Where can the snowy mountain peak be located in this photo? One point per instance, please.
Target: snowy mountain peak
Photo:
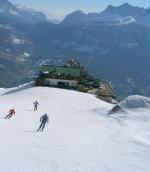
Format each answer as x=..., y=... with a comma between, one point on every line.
x=8, y=10
x=126, y=13
x=125, y=5
x=76, y=17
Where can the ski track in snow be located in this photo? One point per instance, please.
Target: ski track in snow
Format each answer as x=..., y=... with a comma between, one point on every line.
x=80, y=137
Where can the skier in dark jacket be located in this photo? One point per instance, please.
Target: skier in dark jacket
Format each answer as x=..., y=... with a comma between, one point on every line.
x=43, y=121
x=35, y=105
x=10, y=113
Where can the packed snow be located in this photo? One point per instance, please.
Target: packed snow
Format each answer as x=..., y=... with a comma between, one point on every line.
x=81, y=136
x=13, y=12
x=126, y=20
x=17, y=41
x=26, y=55
x=5, y=26
x=135, y=101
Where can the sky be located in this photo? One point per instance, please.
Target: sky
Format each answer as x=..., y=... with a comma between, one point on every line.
x=59, y=8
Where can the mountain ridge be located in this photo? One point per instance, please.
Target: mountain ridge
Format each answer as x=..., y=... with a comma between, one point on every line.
x=7, y=9
x=111, y=13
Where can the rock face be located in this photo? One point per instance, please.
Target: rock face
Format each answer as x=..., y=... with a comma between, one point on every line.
x=15, y=47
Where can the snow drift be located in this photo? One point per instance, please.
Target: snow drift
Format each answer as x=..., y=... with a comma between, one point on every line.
x=135, y=101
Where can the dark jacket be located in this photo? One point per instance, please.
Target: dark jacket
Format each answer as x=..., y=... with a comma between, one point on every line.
x=44, y=118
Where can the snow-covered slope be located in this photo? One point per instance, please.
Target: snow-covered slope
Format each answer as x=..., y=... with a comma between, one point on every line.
x=81, y=136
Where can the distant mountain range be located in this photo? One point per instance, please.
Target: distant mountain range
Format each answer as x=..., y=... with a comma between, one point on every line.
x=113, y=44
x=124, y=14
x=13, y=14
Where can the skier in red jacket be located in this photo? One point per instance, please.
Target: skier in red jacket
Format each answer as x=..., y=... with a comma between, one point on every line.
x=10, y=113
